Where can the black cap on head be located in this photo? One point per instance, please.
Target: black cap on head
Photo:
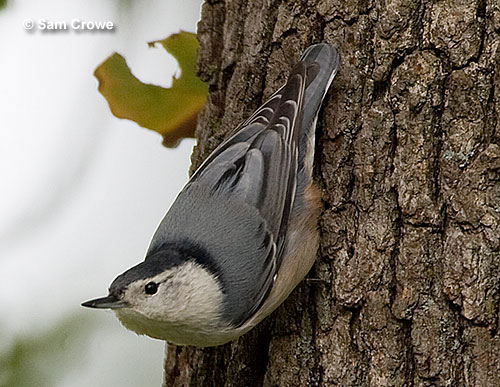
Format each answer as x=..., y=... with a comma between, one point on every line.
x=159, y=259
x=155, y=263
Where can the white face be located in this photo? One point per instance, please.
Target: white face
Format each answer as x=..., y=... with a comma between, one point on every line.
x=187, y=297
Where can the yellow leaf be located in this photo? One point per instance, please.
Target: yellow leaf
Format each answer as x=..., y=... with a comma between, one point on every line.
x=171, y=112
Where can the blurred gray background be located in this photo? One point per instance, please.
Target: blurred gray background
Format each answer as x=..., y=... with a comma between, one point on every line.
x=81, y=191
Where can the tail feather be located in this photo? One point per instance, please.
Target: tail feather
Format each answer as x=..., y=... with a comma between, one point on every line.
x=328, y=59
x=323, y=63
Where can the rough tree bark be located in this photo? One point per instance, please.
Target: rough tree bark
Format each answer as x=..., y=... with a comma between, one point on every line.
x=408, y=158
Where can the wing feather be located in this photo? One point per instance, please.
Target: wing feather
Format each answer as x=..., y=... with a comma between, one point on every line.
x=257, y=165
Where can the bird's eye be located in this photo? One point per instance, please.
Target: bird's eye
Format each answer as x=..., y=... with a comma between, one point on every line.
x=151, y=288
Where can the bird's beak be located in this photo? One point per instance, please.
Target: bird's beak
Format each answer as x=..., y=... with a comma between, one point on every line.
x=109, y=302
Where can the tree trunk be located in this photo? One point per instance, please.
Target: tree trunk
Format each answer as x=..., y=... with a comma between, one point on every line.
x=406, y=288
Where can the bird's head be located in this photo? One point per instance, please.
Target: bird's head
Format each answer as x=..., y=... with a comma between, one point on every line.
x=167, y=295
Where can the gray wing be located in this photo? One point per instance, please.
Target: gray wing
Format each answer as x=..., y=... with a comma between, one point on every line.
x=257, y=166
x=237, y=204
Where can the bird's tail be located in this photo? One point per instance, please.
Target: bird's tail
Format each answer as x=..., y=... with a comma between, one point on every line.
x=323, y=62
x=328, y=60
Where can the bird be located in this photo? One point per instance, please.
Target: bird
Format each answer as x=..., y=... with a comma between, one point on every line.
x=243, y=232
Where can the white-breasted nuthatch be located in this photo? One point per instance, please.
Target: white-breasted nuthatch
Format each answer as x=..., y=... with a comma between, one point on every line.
x=243, y=231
